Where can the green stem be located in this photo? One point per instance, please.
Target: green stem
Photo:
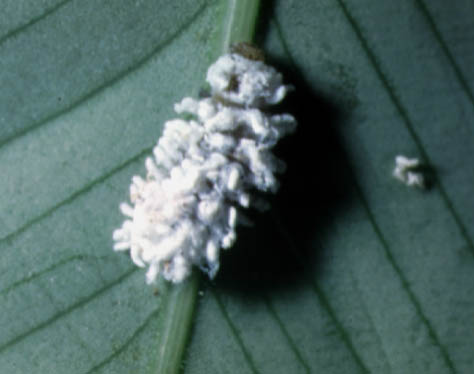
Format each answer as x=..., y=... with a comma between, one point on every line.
x=239, y=22
x=180, y=300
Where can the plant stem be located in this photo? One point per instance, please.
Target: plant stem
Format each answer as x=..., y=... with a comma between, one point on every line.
x=239, y=22
x=238, y=26
x=180, y=302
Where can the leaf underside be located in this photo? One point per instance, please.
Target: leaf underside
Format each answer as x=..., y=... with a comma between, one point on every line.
x=350, y=271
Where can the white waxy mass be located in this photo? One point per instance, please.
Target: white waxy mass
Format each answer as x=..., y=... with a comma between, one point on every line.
x=205, y=168
x=407, y=171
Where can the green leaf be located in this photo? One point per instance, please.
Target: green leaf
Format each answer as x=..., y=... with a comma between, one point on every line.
x=350, y=271
x=353, y=272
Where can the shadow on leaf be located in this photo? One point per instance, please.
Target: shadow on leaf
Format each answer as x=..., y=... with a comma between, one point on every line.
x=281, y=249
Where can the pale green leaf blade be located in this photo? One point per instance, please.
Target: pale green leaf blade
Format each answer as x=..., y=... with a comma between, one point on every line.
x=352, y=272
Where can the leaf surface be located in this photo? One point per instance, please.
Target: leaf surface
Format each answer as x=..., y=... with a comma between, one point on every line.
x=350, y=272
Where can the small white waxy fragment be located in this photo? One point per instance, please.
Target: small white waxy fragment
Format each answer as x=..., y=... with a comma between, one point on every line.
x=407, y=171
x=202, y=169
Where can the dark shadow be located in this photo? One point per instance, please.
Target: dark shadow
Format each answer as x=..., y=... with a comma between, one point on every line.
x=312, y=192
x=429, y=175
x=265, y=16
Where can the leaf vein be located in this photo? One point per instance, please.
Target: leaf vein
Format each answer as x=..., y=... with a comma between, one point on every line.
x=405, y=284
x=125, y=345
x=321, y=296
x=31, y=22
x=38, y=274
x=406, y=120
x=315, y=288
x=66, y=311
x=408, y=123
x=370, y=319
x=82, y=344
x=89, y=186
x=235, y=332
x=444, y=46
x=130, y=69
x=286, y=334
